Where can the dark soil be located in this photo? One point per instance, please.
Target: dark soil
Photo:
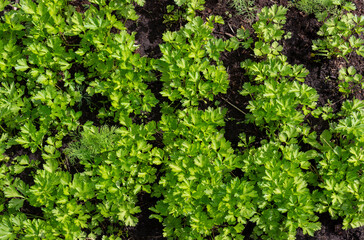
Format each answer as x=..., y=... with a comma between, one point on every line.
x=322, y=77
x=332, y=230
x=150, y=27
x=146, y=228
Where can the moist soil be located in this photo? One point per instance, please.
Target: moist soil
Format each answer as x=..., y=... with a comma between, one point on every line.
x=323, y=77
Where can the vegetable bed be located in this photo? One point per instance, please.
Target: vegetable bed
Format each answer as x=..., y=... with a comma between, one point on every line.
x=181, y=119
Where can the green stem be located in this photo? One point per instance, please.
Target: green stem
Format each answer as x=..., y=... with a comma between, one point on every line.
x=2, y=128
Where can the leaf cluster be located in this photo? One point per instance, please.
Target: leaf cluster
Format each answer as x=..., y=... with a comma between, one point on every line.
x=323, y=8
x=86, y=178
x=341, y=35
x=186, y=66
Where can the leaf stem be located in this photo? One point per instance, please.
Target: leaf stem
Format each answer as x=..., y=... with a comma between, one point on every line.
x=313, y=169
x=233, y=105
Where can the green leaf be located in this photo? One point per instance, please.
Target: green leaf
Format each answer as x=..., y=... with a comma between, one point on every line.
x=11, y=192
x=156, y=216
x=21, y=65
x=131, y=221
x=3, y=4
x=95, y=23
x=16, y=203
x=28, y=6
x=51, y=165
x=175, y=168
x=6, y=231
x=311, y=227
x=325, y=138
x=18, y=169
x=349, y=6
x=64, y=65
x=99, y=2
x=351, y=70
